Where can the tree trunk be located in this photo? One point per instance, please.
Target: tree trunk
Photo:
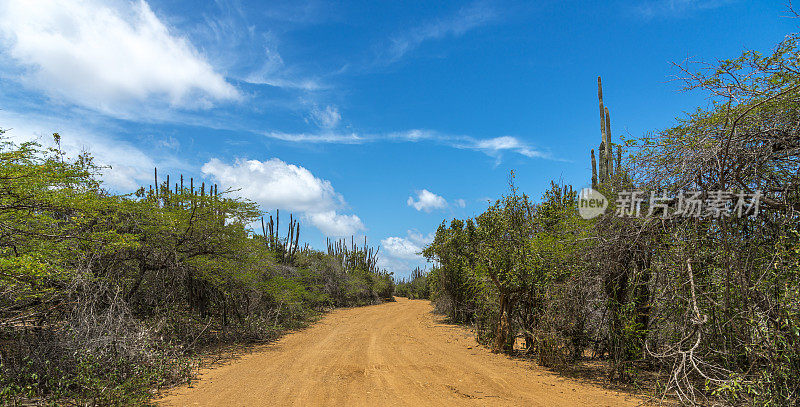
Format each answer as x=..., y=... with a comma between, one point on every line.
x=502, y=337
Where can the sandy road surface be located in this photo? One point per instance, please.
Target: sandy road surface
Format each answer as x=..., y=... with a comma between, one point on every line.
x=390, y=354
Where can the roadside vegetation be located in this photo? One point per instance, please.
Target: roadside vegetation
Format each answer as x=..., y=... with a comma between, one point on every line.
x=414, y=287
x=705, y=310
x=104, y=298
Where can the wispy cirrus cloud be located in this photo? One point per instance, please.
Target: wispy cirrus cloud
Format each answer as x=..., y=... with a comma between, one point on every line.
x=327, y=137
x=251, y=52
x=676, y=8
x=326, y=117
x=493, y=147
x=505, y=143
x=274, y=72
x=465, y=19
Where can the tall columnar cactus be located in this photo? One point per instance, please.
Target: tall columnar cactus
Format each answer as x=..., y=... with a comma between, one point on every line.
x=603, y=171
x=608, y=152
x=602, y=111
x=603, y=163
x=603, y=133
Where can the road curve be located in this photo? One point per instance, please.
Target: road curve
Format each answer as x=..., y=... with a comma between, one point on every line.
x=396, y=353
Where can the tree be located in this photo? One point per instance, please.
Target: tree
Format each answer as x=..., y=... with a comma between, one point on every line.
x=503, y=254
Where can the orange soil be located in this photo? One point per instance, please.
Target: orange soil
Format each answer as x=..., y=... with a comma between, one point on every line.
x=396, y=353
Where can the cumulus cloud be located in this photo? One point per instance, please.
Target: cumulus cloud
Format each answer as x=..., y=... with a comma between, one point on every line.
x=276, y=184
x=331, y=223
x=407, y=247
x=401, y=253
x=107, y=56
x=400, y=247
x=426, y=201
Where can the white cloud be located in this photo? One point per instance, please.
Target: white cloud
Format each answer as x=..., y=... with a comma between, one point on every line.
x=400, y=253
x=334, y=224
x=400, y=247
x=414, y=135
x=326, y=118
x=426, y=201
x=460, y=203
x=497, y=145
x=276, y=184
x=333, y=138
x=169, y=142
x=274, y=73
x=108, y=56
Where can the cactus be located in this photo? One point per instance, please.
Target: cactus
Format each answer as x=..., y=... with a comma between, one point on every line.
x=604, y=171
x=163, y=195
x=603, y=164
x=603, y=132
x=284, y=249
x=608, y=153
x=354, y=257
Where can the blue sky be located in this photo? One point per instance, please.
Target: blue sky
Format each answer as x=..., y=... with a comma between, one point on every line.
x=365, y=118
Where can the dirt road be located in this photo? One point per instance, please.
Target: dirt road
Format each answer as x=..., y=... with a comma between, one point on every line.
x=396, y=353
